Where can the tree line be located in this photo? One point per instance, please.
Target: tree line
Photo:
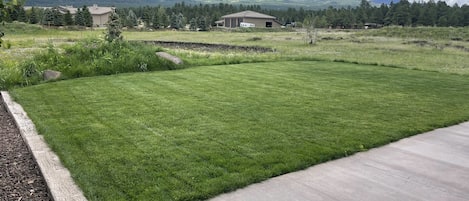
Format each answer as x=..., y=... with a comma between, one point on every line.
x=203, y=16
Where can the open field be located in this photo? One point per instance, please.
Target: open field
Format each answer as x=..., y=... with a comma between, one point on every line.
x=438, y=55
x=194, y=133
x=396, y=47
x=210, y=128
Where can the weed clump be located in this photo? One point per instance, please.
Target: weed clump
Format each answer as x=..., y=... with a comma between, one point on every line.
x=254, y=39
x=91, y=57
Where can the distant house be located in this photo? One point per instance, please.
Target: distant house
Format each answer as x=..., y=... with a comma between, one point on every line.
x=100, y=14
x=251, y=18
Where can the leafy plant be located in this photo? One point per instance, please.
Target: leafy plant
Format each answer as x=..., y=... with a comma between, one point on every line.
x=114, y=28
x=30, y=74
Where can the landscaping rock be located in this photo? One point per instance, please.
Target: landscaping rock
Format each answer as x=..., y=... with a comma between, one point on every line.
x=174, y=59
x=51, y=75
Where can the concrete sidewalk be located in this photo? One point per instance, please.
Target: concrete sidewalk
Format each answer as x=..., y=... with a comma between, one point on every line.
x=430, y=166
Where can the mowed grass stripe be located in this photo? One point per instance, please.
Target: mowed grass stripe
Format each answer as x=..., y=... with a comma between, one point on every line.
x=192, y=134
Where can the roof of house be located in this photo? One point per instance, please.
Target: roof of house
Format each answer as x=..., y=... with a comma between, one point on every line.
x=94, y=10
x=249, y=14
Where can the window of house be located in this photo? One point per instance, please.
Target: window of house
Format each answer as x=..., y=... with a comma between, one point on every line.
x=268, y=24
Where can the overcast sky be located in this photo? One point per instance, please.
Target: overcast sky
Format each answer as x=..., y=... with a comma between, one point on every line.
x=449, y=2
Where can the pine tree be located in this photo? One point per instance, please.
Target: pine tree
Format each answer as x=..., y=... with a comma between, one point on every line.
x=202, y=24
x=33, y=18
x=193, y=24
x=363, y=11
x=155, y=22
x=131, y=19
x=68, y=19
x=58, y=18
x=79, y=19
x=22, y=14
x=48, y=17
x=147, y=16
x=162, y=16
x=87, y=18
x=454, y=18
x=465, y=15
x=174, y=21
x=402, y=15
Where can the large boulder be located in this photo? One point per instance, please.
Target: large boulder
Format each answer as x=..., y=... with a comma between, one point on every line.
x=51, y=75
x=174, y=59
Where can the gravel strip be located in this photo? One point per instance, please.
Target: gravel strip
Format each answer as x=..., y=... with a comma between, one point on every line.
x=20, y=177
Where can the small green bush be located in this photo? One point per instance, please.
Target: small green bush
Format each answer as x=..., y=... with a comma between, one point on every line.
x=254, y=39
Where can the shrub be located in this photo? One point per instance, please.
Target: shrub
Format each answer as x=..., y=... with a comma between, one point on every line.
x=254, y=39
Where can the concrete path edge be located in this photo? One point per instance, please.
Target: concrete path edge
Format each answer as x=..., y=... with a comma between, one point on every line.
x=59, y=181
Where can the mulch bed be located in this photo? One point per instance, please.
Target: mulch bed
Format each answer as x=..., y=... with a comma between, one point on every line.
x=20, y=177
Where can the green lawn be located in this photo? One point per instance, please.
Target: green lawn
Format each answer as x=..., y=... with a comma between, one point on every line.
x=195, y=133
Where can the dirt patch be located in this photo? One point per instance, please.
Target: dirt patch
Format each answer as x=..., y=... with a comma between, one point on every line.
x=20, y=177
x=209, y=46
x=424, y=43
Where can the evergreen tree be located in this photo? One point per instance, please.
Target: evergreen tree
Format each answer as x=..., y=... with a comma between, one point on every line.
x=48, y=17
x=202, y=24
x=33, y=18
x=430, y=15
x=58, y=18
x=87, y=18
x=174, y=21
x=193, y=24
x=376, y=16
x=177, y=21
x=155, y=21
x=402, y=14
x=147, y=16
x=162, y=16
x=363, y=11
x=22, y=14
x=79, y=18
x=12, y=13
x=415, y=11
x=455, y=17
x=68, y=19
x=465, y=15
x=131, y=19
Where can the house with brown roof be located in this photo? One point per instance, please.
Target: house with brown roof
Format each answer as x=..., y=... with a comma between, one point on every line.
x=99, y=14
x=249, y=19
